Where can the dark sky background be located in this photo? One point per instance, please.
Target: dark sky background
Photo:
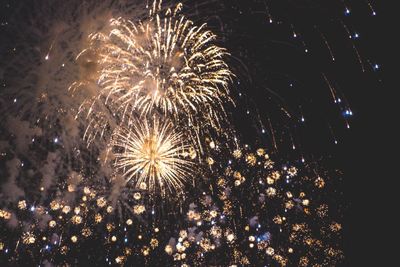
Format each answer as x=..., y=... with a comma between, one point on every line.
x=274, y=72
x=273, y=59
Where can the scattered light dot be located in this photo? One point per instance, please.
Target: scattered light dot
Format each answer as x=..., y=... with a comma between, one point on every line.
x=347, y=113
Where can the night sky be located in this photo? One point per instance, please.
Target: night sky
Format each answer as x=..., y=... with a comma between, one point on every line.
x=309, y=81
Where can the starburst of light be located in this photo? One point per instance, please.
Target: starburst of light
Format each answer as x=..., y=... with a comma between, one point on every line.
x=164, y=63
x=153, y=153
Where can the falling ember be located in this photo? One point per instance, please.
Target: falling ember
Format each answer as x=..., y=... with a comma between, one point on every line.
x=151, y=153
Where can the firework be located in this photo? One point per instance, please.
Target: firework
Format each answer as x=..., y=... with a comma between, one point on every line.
x=147, y=88
x=28, y=238
x=152, y=153
x=162, y=64
x=212, y=223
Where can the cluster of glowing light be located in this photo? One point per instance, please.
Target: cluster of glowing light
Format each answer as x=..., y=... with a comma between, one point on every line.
x=151, y=153
x=288, y=236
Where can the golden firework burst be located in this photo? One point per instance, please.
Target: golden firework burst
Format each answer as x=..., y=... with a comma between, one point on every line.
x=153, y=153
x=165, y=63
x=162, y=64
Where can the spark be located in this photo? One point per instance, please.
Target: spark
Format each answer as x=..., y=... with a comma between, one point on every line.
x=353, y=45
x=325, y=40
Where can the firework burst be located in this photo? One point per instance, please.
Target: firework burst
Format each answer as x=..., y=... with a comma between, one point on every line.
x=163, y=64
x=151, y=153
